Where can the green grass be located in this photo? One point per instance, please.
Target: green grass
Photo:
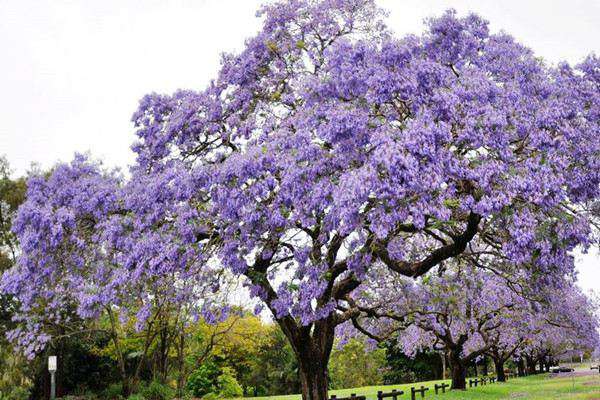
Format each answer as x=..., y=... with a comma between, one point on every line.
x=537, y=387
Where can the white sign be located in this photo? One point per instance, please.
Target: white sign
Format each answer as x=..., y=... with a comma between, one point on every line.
x=52, y=363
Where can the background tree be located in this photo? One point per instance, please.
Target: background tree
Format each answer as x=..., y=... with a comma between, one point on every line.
x=84, y=254
x=355, y=365
x=13, y=370
x=400, y=368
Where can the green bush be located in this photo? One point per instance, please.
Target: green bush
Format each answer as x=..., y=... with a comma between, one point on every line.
x=203, y=380
x=136, y=396
x=112, y=392
x=210, y=396
x=228, y=386
x=157, y=391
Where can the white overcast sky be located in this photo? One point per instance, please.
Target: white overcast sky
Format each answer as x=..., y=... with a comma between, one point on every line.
x=72, y=72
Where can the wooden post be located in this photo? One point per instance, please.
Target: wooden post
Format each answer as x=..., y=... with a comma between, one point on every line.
x=394, y=394
x=414, y=391
x=442, y=386
x=353, y=396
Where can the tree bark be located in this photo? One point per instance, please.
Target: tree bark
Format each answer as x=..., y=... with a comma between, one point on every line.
x=530, y=365
x=181, y=362
x=499, y=365
x=485, y=366
x=313, y=379
x=521, y=367
x=458, y=370
x=312, y=346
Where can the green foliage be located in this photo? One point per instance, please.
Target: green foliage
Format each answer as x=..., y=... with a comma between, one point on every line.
x=112, y=392
x=88, y=396
x=16, y=393
x=210, y=396
x=423, y=367
x=228, y=386
x=203, y=380
x=157, y=391
x=14, y=372
x=136, y=396
x=13, y=369
x=354, y=365
x=208, y=379
x=275, y=369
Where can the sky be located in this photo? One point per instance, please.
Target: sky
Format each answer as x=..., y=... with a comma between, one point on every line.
x=72, y=72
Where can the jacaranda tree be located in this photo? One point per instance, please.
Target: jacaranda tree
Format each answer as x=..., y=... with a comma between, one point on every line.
x=467, y=312
x=328, y=146
x=95, y=246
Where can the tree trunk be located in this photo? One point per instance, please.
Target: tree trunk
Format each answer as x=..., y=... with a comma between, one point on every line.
x=499, y=365
x=458, y=370
x=181, y=362
x=541, y=365
x=521, y=367
x=530, y=365
x=312, y=346
x=313, y=378
x=485, y=366
x=125, y=380
x=443, y=354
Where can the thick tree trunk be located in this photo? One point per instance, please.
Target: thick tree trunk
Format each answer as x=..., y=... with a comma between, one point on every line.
x=313, y=378
x=541, y=365
x=499, y=365
x=458, y=371
x=312, y=346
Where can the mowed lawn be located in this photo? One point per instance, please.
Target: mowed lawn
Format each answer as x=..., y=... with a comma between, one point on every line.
x=538, y=387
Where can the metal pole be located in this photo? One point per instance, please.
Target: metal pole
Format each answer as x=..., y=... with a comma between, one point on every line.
x=52, y=386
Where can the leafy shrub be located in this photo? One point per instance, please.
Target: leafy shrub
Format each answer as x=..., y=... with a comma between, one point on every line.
x=228, y=386
x=113, y=392
x=136, y=396
x=210, y=396
x=157, y=391
x=203, y=380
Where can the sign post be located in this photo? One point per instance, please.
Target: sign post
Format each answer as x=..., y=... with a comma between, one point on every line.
x=52, y=370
